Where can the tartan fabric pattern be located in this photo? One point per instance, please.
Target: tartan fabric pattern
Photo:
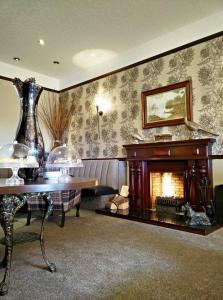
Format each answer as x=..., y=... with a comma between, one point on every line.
x=62, y=200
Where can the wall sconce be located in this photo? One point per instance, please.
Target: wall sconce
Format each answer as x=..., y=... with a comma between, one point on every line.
x=102, y=105
x=99, y=114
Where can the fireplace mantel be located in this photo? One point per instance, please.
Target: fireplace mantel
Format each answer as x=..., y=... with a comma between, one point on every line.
x=192, y=157
x=171, y=150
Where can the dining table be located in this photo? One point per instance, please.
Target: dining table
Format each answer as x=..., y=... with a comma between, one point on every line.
x=13, y=197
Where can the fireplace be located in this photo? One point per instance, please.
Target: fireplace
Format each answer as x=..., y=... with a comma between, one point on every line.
x=167, y=189
x=163, y=175
x=186, y=165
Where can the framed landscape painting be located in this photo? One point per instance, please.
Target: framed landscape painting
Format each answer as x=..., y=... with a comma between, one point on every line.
x=168, y=105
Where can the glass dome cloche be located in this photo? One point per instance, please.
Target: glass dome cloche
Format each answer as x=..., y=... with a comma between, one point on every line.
x=64, y=157
x=16, y=156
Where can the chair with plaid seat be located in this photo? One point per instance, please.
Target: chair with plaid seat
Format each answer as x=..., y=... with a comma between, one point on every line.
x=62, y=201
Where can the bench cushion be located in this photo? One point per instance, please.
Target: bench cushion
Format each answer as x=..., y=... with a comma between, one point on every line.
x=98, y=190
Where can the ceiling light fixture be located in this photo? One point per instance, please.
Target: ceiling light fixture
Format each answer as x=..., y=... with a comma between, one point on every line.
x=16, y=58
x=56, y=62
x=41, y=42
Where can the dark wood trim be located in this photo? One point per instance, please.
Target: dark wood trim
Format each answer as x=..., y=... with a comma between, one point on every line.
x=219, y=156
x=106, y=158
x=191, y=44
x=194, y=142
x=5, y=78
x=45, y=88
x=51, y=90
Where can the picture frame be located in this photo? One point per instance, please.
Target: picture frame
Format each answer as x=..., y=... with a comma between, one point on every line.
x=168, y=105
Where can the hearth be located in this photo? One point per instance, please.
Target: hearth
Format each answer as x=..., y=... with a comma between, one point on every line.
x=164, y=220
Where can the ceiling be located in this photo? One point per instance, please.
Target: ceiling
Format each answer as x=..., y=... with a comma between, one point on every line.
x=69, y=27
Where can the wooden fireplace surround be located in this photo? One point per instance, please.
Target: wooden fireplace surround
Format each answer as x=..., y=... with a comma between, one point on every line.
x=191, y=157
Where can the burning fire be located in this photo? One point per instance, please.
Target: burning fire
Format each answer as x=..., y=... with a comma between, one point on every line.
x=167, y=187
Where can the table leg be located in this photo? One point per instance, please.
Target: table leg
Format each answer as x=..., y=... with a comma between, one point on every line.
x=49, y=202
x=9, y=204
x=3, y=262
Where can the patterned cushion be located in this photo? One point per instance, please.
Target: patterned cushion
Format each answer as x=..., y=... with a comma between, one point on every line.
x=62, y=200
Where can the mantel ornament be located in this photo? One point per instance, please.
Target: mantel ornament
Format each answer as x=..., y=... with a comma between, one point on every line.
x=197, y=128
x=28, y=131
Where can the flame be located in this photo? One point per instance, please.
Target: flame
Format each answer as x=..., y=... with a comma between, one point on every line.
x=167, y=188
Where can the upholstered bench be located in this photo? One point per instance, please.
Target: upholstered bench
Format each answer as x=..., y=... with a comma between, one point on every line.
x=111, y=175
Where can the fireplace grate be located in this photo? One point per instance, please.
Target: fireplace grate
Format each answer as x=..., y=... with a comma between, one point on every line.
x=169, y=201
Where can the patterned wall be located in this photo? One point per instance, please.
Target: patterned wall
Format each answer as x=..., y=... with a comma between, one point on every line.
x=202, y=63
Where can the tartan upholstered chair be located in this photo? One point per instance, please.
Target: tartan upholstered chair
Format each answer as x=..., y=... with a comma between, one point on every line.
x=62, y=200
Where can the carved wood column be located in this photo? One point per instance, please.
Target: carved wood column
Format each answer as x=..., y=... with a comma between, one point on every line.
x=139, y=184
x=132, y=184
x=146, y=203
x=203, y=184
x=191, y=182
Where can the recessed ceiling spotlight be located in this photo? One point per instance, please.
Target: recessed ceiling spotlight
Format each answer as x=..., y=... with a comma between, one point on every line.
x=41, y=42
x=16, y=58
x=56, y=62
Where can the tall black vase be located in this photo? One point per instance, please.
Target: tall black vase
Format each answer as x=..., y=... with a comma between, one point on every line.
x=28, y=131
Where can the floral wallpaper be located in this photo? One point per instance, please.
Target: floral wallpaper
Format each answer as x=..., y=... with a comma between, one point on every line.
x=103, y=136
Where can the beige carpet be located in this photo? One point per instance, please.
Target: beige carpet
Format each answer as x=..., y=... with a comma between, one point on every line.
x=100, y=257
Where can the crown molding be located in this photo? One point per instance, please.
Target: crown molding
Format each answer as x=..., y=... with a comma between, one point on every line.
x=45, y=88
x=199, y=41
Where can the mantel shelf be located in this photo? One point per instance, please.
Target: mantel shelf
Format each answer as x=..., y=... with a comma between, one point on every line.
x=173, y=150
